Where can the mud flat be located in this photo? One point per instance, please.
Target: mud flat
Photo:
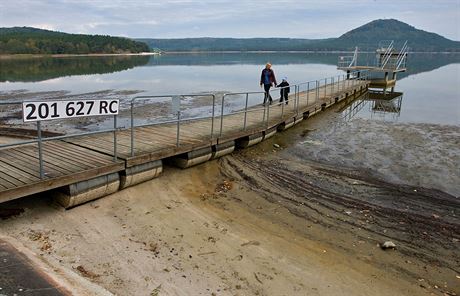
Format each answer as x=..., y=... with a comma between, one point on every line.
x=267, y=220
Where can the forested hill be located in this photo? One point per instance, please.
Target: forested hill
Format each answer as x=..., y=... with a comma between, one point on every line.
x=227, y=44
x=369, y=35
x=27, y=40
x=365, y=37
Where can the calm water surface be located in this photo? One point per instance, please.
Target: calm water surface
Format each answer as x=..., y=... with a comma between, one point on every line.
x=431, y=84
x=411, y=139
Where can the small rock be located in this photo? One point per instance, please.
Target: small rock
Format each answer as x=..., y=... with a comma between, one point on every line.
x=435, y=216
x=276, y=145
x=388, y=245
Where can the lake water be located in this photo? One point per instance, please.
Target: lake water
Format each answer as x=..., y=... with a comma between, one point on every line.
x=413, y=139
x=432, y=82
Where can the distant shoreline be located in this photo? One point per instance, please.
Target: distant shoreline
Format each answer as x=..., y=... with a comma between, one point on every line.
x=28, y=56
x=15, y=56
x=294, y=51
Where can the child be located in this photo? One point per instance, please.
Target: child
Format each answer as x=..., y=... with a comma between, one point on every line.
x=284, y=91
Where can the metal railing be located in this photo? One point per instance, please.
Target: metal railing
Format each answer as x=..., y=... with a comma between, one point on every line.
x=385, y=57
x=304, y=95
x=402, y=55
x=177, y=121
x=348, y=61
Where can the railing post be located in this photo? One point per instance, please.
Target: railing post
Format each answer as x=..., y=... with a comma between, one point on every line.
x=282, y=109
x=338, y=83
x=265, y=111
x=317, y=92
x=213, y=112
x=268, y=114
x=222, y=115
x=297, y=98
x=294, y=107
x=325, y=87
x=40, y=149
x=115, y=138
x=178, y=129
x=308, y=92
x=246, y=111
x=332, y=83
x=132, y=128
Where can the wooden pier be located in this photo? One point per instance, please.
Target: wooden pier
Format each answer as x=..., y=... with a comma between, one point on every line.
x=84, y=158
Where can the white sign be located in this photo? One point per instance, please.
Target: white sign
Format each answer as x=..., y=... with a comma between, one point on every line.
x=48, y=110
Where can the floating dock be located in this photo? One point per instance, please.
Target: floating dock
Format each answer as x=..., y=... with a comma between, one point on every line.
x=78, y=169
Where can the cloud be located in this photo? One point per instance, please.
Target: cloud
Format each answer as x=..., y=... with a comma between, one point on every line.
x=225, y=18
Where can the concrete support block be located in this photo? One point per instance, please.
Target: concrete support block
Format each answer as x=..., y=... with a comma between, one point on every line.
x=140, y=173
x=314, y=112
x=298, y=119
x=84, y=191
x=222, y=149
x=287, y=124
x=192, y=158
x=270, y=133
x=249, y=140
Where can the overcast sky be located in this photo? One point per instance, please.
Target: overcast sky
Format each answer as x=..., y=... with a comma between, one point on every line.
x=227, y=18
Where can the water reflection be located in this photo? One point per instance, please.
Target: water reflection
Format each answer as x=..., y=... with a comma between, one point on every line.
x=431, y=85
x=375, y=105
x=39, y=69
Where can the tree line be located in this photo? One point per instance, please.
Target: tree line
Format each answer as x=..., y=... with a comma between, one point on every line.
x=26, y=40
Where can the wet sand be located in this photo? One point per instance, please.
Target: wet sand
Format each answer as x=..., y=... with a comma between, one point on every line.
x=263, y=221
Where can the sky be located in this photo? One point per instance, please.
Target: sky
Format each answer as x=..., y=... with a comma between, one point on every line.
x=227, y=18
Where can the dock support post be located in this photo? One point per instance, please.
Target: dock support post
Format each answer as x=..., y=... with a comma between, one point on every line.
x=393, y=78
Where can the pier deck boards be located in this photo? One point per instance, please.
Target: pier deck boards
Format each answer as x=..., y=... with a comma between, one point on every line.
x=85, y=157
x=64, y=164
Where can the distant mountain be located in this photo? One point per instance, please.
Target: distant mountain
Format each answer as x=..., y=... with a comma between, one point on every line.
x=369, y=35
x=27, y=40
x=365, y=37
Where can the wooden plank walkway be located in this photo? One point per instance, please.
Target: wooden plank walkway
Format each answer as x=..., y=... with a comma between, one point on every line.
x=64, y=164
x=86, y=157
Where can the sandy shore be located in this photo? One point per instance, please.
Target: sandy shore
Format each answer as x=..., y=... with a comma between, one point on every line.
x=259, y=222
